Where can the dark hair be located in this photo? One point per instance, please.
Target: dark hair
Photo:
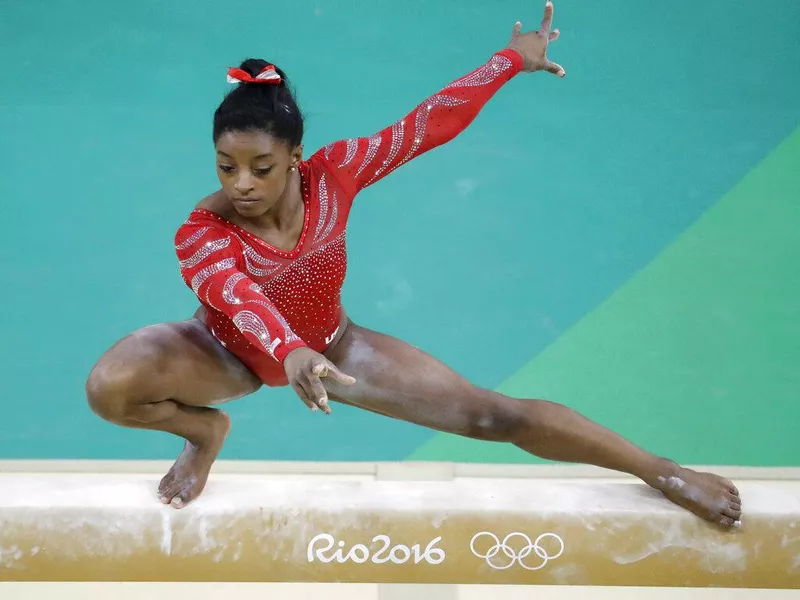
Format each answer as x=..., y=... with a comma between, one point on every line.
x=260, y=106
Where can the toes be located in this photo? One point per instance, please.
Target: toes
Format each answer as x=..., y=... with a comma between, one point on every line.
x=168, y=489
x=184, y=497
x=730, y=487
x=724, y=482
x=733, y=513
x=162, y=492
x=727, y=522
x=165, y=495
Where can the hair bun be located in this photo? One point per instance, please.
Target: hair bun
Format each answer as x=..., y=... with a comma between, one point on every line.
x=253, y=66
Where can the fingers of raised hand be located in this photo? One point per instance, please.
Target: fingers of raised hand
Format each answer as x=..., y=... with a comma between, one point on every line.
x=547, y=19
x=533, y=44
x=551, y=37
x=554, y=68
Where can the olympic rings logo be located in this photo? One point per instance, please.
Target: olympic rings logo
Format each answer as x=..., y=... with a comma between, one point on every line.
x=516, y=553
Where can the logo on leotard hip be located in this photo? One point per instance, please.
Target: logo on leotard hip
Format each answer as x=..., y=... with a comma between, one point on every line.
x=329, y=339
x=516, y=548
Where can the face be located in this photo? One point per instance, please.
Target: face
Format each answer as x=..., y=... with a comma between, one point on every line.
x=253, y=168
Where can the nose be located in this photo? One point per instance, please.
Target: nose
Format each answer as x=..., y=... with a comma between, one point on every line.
x=244, y=185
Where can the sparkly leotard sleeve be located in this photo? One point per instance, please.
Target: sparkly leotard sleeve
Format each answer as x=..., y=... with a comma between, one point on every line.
x=263, y=302
x=360, y=162
x=213, y=264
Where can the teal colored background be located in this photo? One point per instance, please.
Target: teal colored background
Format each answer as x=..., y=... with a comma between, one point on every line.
x=623, y=240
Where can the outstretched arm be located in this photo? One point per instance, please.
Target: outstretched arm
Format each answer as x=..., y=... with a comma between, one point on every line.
x=360, y=162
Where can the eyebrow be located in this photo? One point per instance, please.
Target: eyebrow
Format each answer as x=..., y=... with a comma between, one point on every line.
x=267, y=155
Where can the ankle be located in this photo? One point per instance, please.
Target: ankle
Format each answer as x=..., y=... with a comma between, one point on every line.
x=658, y=470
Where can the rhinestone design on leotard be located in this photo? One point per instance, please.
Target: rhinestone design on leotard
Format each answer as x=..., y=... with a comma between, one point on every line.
x=252, y=258
x=373, y=144
x=322, y=195
x=423, y=118
x=204, y=252
x=496, y=66
x=288, y=335
x=397, y=141
x=230, y=284
x=192, y=238
x=352, y=148
x=328, y=223
x=250, y=322
x=201, y=277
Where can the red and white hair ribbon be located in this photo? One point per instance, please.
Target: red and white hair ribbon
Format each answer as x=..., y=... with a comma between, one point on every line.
x=267, y=75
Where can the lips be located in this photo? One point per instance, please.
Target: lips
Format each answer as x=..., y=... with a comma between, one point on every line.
x=247, y=200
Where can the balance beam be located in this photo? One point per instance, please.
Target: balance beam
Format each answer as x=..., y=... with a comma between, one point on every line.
x=318, y=528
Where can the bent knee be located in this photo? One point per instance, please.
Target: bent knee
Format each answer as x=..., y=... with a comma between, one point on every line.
x=109, y=393
x=500, y=420
x=122, y=378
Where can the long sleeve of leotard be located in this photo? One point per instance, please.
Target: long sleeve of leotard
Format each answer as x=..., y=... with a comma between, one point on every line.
x=210, y=259
x=360, y=162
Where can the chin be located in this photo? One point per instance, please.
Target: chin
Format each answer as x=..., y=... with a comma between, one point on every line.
x=252, y=210
x=249, y=208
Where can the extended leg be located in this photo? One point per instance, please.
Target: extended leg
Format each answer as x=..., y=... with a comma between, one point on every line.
x=400, y=381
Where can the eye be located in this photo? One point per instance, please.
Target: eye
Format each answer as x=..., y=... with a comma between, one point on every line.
x=225, y=168
x=263, y=171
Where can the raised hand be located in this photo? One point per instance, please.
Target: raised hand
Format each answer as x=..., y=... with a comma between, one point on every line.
x=304, y=370
x=533, y=45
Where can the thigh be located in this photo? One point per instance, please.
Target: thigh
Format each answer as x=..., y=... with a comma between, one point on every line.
x=398, y=380
x=179, y=361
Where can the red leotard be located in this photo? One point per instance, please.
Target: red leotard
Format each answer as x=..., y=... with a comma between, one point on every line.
x=263, y=302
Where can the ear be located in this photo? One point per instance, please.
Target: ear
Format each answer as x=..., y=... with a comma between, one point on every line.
x=297, y=154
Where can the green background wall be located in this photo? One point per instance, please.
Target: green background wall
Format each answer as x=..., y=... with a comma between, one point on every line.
x=623, y=241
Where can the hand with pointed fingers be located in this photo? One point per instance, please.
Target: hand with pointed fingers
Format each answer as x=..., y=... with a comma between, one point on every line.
x=532, y=45
x=305, y=370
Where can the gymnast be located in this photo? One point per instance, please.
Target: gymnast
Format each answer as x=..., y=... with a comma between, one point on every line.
x=266, y=257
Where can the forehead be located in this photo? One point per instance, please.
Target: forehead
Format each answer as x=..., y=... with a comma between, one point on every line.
x=249, y=144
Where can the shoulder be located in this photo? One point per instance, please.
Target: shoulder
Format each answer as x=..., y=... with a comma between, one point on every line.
x=215, y=203
x=214, y=209
x=317, y=162
x=332, y=162
x=336, y=154
x=206, y=222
